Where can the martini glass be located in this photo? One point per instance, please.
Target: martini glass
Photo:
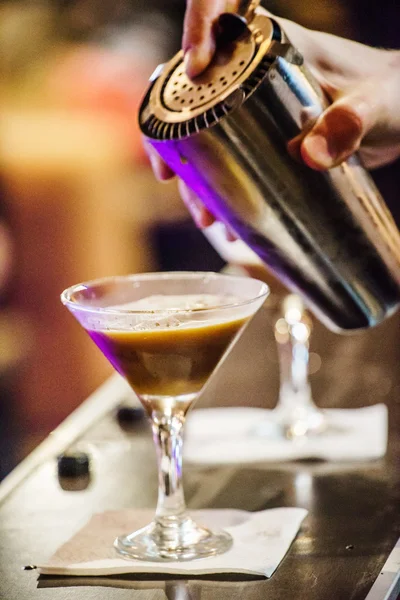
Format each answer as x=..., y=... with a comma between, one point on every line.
x=166, y=333
x=295, y=415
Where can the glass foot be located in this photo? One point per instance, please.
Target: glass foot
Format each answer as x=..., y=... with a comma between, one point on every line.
x=311, y=422
x=293, y=421
x=173, y=540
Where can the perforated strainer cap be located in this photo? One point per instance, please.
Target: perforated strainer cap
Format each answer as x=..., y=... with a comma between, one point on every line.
x=176, y=107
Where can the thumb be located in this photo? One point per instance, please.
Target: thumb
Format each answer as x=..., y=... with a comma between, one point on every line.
x=339, y=131
x=198, y=41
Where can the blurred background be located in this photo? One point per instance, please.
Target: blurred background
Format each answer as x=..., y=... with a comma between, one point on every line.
x=78, y=199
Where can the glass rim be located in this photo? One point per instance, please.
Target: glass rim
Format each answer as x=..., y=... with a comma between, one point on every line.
x=66, y=295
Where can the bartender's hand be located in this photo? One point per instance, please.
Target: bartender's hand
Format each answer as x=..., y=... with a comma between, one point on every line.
x=362, y=82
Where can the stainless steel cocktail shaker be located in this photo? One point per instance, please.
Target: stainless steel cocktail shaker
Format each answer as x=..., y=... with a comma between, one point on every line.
x=327, y=235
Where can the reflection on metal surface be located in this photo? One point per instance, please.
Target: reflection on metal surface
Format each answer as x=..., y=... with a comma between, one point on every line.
x=303, y=485
x=305, y=544
x=180, y=590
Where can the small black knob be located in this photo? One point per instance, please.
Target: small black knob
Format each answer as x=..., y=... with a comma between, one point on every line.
x=130, y=417
x=73, y=464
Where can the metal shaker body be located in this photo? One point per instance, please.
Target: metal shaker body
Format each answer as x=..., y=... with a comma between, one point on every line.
x=327, y=235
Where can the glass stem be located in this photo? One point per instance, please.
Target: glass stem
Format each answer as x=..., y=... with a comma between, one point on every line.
x=293, y=357
x=292, y=334
x=167, y=435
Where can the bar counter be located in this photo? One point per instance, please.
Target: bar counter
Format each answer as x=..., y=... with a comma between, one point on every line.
x=339, y=553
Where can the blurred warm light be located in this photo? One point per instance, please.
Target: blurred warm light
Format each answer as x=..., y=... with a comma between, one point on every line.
x=44, y=143
x=79, y=193
x=16, y=339
x=300, y=332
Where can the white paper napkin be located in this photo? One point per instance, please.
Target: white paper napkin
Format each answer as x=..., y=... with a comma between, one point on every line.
x=216, y=436
x=260, y=541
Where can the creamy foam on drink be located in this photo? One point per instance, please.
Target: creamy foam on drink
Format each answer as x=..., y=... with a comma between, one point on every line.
x=173, y=305
x=180, y=302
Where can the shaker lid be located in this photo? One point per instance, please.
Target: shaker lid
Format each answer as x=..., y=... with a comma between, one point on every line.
x=176, y=106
